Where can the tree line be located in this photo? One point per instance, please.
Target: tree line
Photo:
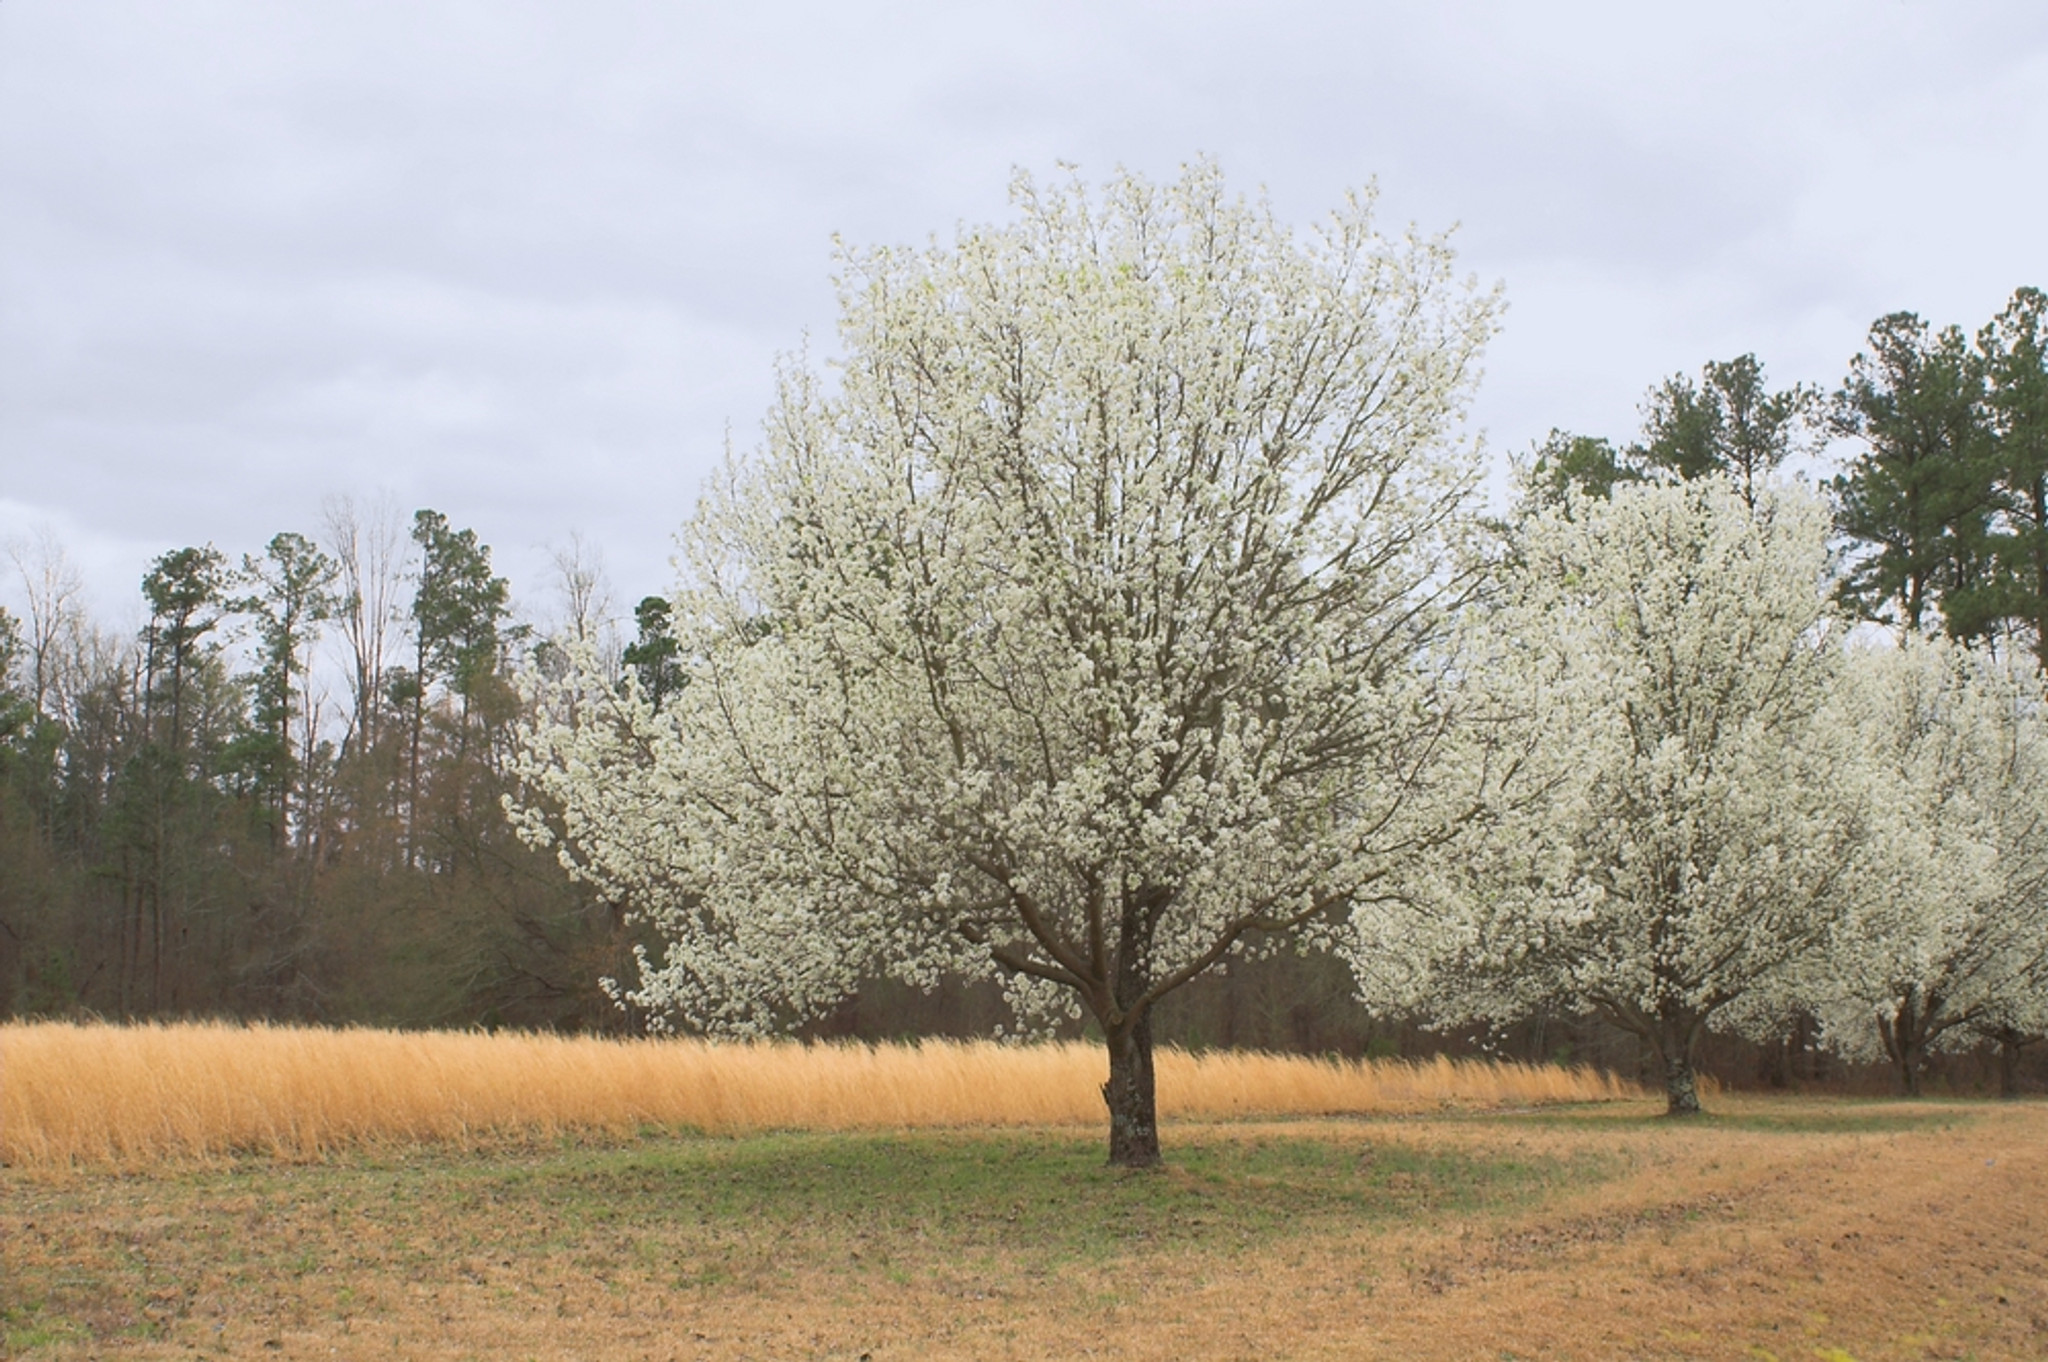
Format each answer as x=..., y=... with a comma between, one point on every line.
x=281, y=797
x=1944, y=501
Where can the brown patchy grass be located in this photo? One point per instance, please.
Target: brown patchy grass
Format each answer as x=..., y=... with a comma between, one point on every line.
x=1782, y=1228
x=134, y=1096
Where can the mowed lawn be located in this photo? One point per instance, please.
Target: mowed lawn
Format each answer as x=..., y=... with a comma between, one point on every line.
x=1789, y=1228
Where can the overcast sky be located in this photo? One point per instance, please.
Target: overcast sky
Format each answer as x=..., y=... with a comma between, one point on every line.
x=528, y=263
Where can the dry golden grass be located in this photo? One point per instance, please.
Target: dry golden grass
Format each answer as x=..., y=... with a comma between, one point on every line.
x=129, y=1096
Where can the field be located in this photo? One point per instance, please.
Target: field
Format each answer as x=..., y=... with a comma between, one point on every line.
x=1784, y=1228
x=114, y=1096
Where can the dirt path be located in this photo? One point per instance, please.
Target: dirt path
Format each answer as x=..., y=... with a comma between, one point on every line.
x=1926, y=1243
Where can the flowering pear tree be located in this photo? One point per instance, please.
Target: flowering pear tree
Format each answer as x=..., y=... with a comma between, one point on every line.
x=1693, y=820
x=1093, y=626
x=1955, y=948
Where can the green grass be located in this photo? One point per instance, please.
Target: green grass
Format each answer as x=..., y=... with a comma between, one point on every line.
x=1046, y=1194
x=1879, y=1118
x=102, y=1255
x=1836, y=1116
x=28, y=1325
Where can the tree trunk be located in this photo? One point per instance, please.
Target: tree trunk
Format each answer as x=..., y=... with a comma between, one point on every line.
x=1681, y=1085
x=2011, y=1040
x=1909, y=1063
x=1676, y=1041
x=1905, y=1039
x=1131, y=1098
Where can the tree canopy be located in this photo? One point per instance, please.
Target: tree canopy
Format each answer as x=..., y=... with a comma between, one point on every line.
x=1728, y=423
x=1096, y=625
x=1952, y=947
x=1698, y=815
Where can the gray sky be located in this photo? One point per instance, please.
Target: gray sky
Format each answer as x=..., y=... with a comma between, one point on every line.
x=527, y=263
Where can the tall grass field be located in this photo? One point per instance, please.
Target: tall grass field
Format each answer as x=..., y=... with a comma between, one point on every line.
x=130, y=1096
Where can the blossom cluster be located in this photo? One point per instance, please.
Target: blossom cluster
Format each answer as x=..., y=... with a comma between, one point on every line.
x=1741, y=806
x=1095, y=623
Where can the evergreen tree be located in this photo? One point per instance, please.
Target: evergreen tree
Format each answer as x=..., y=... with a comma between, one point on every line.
x=2014, y=352
x=459, y=616
x=1919, y=496
x=1565, y=463
x=653, y=655
x=185, y=590
x=293, y=594
x=460, y=609
x=1728, y=423
x=163, y=806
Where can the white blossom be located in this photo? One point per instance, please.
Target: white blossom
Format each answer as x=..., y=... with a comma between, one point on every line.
x=1694, y=818
x=1956, y=947
x=1094, y=623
